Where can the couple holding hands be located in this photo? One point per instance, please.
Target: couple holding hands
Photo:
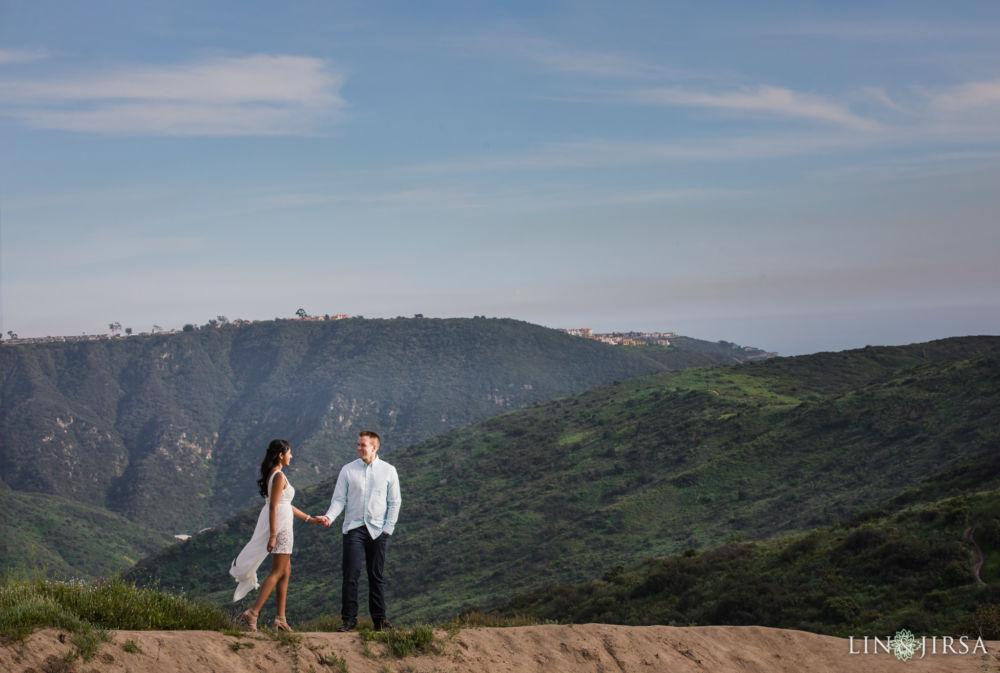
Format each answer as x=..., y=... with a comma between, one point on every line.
x=367, y=491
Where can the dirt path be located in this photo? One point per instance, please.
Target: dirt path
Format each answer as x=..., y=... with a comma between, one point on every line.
x=978, y=559
x=552, y=649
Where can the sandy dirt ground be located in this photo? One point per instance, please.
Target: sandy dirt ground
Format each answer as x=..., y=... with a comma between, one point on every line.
x=553, y=649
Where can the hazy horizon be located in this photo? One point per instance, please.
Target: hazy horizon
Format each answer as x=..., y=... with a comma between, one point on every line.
x=793, y=177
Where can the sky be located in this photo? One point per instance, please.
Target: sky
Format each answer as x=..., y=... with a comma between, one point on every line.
x=795, y=176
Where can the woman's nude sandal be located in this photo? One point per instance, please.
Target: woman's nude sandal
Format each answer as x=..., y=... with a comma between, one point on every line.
x=249, y=617
x=281, y=625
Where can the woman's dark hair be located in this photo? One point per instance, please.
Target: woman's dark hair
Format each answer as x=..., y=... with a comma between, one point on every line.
x=271, y=458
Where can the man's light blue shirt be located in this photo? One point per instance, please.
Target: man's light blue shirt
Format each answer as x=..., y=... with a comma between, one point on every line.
x=368, y=494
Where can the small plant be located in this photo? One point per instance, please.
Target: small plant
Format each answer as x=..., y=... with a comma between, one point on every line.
x=88, y=640
x=131, y=647
x=404, y=642
x=237, y=646
x=476, y=618
x=365, y=650
x=334, y=661
x=324, y=623
x=289, y=640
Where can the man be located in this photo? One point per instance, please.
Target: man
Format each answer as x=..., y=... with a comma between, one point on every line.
x=367, y=491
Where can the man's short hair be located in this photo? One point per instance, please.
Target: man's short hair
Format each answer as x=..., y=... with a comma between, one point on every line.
x=373, y=435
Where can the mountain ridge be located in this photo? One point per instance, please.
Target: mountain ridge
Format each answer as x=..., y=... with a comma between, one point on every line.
x=565, y=489
x=129, y=423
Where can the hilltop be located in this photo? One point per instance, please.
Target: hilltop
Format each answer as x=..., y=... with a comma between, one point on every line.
x=565, y=490
x=554, y=649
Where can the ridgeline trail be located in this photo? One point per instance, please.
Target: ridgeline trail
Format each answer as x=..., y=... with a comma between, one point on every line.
x=548, y=648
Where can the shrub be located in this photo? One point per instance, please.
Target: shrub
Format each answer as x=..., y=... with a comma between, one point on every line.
x=842, y=608
x=404, y=642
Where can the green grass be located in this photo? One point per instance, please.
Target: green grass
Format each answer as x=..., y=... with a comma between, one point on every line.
x=89, y=610
x=403, y=642
x=289, y=640
x=26, y=606
x=335, y=661
x=326, y=623
x=473, y=619
x=23, y=608
x=60, y=538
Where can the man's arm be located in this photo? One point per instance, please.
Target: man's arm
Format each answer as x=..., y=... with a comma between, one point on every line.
x=339, y=500
x=393, y=501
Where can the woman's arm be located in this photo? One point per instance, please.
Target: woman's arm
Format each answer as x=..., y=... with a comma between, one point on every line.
x=277, y=486
x=299, y=514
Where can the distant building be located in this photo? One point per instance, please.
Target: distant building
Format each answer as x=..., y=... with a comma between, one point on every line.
x=624, y=338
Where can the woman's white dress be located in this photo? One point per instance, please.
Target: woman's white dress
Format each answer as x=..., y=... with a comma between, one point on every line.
x=244, y=568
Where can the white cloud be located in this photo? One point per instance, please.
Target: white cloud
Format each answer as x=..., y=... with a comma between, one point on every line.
x=558, y=58
x=252, y=95
x=971, y=95
x=21, y=55
x=600, y=153
x=178, y=119
x=400, y=198
x=881, y=97
x=762, y=99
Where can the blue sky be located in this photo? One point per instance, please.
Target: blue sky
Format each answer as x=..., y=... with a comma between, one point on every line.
x=798, y=176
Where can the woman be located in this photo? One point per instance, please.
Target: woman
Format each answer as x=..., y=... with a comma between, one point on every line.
x=273, y=535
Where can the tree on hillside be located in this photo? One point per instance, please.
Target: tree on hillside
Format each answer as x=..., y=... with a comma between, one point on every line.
x=223, y=320
x=157, y=328
x=128, y=331
x=115, y=327
x=302, y=313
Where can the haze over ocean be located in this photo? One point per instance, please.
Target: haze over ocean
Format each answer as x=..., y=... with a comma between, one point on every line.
x=794, y=177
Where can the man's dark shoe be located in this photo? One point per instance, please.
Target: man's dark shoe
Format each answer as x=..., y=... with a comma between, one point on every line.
x=347, y=626
x=383, y=625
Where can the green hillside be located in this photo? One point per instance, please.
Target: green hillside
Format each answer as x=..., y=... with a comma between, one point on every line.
x=912, y=568
x=46, y=535
x=167, y=430
x=564, y=490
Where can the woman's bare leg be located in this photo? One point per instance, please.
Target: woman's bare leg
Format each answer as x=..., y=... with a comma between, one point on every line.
x=282, y=593
x=280, y=564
